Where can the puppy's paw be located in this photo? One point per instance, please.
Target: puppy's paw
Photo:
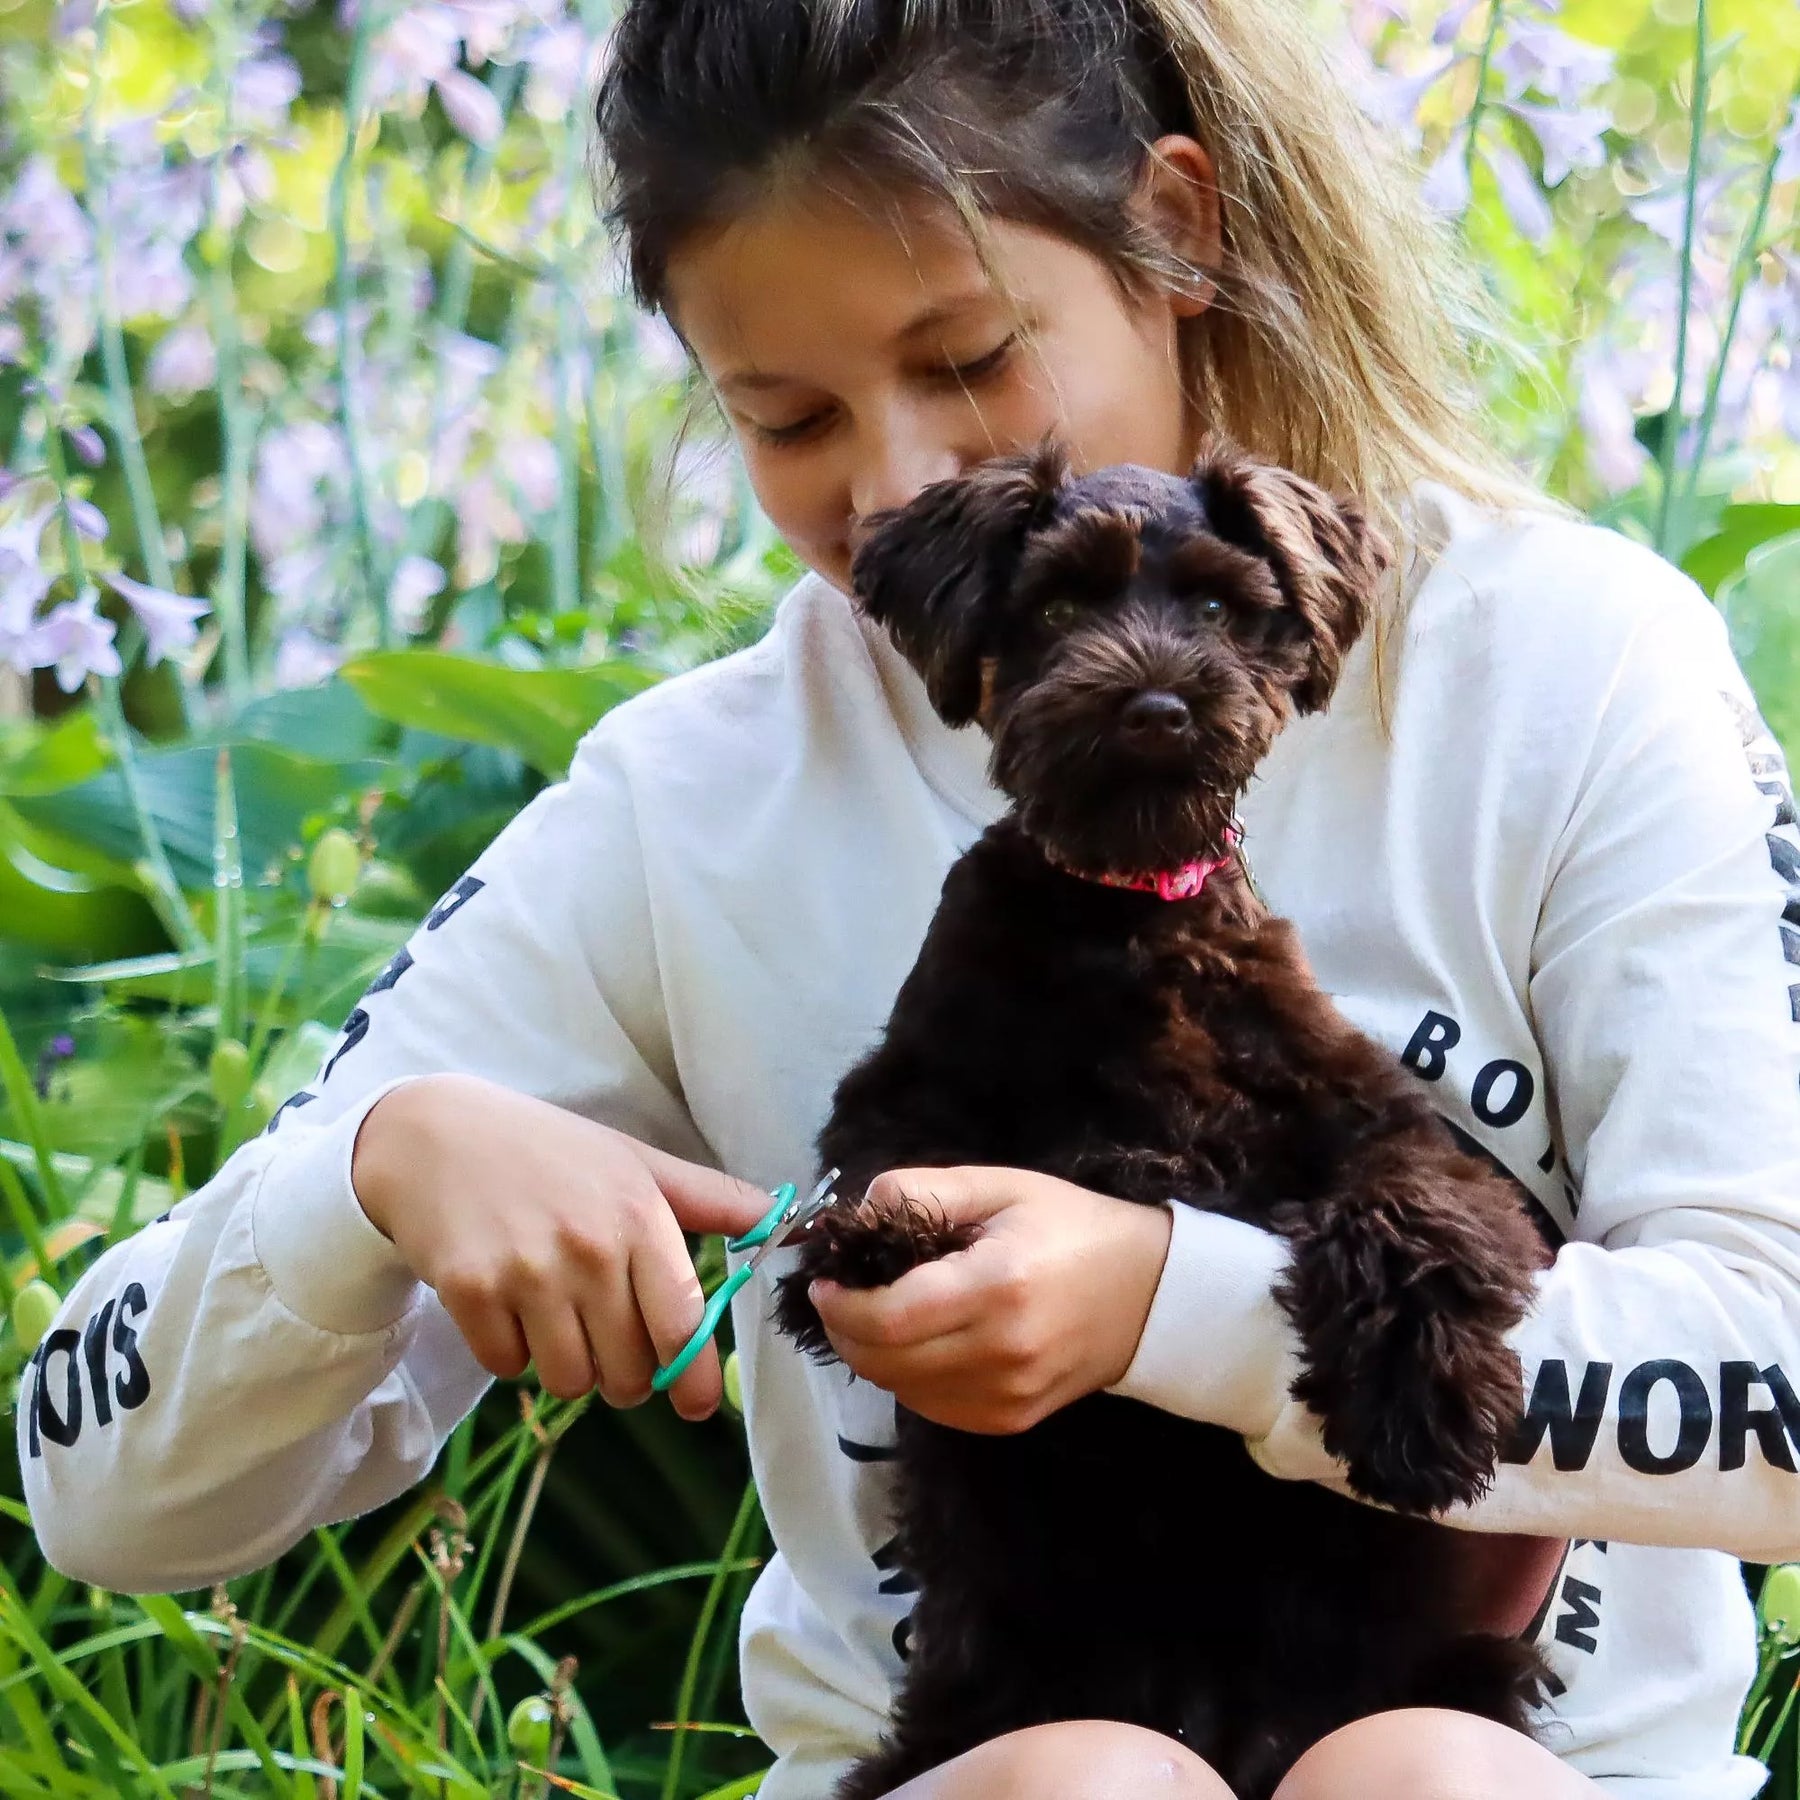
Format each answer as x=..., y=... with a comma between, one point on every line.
x=1403, y=1313
x=860, y=1244
x=1422, y=1426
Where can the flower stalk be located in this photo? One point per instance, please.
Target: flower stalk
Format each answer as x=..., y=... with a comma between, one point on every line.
x=1671, y=424
x=153, y=868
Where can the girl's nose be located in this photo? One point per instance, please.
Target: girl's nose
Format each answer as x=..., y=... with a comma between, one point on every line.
x=895, y=465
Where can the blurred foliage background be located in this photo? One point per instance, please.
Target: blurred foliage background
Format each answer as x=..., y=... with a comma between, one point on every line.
x=341, y=489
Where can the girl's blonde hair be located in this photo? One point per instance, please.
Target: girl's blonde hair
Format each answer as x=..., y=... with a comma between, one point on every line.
x=1339, y=338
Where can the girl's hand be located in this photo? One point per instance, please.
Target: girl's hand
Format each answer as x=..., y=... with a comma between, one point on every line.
x=550, y=1239
x=1048, y=1305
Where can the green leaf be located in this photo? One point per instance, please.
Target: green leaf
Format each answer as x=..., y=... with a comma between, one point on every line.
x=1716, y=559
x=539, y=713
x=102, y=1187
x=1762, y=613
x=58, y=913
x=45, y=761
x=277, y=791
x=128, y=1074
x=741, y=1789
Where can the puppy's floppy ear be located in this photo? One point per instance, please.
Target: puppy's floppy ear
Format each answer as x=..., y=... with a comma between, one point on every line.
x=1327, y=557
x=931, y=569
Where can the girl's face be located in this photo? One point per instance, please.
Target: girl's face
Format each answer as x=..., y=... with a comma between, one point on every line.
x=859, y=358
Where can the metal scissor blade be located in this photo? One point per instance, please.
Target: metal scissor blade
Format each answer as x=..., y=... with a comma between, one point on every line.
x=800, y=1215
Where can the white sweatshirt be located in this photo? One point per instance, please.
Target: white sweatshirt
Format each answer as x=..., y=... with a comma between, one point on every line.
x=1567, y=895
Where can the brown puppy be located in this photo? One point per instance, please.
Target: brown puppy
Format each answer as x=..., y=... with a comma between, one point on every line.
x=1095, y=1001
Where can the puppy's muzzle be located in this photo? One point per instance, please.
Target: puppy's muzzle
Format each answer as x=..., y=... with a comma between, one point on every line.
x=1156, y=721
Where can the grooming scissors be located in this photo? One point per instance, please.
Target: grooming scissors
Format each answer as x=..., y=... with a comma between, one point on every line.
x=783, y=1222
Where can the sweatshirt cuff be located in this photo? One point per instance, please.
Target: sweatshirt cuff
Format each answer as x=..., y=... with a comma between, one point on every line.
x=1216, y=1346
x=324, y=1258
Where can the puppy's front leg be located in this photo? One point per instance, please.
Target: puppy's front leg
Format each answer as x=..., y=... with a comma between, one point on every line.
x=861, y=1244
x=1406, y=1278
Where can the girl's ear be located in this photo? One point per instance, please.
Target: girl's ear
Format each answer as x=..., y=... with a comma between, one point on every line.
x=1178, y=199
x=1328, y=559
x=932, y=570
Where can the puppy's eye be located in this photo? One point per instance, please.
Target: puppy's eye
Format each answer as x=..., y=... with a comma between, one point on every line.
x=1212, y=608
x=1059, y=614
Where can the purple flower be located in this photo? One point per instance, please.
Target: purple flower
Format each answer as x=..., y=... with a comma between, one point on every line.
x=561, y=62
x=1609, y=385
x=1519, y=193
x=1552, y=62
x=59, y=1049
x=23, y=583
x=184, y=361
x=262, y=90
x=1393, y=99
x=415, y=580
x=1445, y=188
x=1666, y=213
x=1570, y=138
x=470, y=106
x=169, y=620
x=1450, y=21
x=76, y=640
x=415, y=49
x=88, y=445
x=303, y=660
x=1787, y=163
x=89, y=520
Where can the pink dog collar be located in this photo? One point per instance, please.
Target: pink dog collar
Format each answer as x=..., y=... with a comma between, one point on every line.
x=1166, y=884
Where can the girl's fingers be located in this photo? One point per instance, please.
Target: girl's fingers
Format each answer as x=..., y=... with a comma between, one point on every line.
x=623, y=1358
x=493, y=1337
x=703, y=1199
x=670, y=1303
x=945, y=1361
x=926, y=1303
x=560, y=1349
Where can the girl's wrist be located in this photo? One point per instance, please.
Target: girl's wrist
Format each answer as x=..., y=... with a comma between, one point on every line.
x=387, y=1141
x=1142, y=1252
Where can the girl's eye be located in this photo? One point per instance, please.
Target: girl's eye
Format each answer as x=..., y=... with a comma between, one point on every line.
x=788, y=434
x=982, y=366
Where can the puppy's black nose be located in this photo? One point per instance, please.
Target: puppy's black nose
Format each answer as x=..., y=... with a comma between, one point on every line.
x=1155, y=717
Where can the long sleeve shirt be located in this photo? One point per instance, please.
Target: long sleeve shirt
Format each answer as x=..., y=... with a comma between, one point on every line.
x=1564, y=891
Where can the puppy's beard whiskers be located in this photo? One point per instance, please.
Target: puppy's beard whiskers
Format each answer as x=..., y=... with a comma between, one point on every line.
x=1093, y=798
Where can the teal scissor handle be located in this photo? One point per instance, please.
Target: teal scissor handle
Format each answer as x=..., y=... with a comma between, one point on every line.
x=672, y=1372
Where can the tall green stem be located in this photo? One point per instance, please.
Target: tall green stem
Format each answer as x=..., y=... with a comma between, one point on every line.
x=349, y=342
x=15, y=1084
x=1479, y=104
x=1743, y=270
x=164, y=890
x=565, y=547
x=121, y=413
x=1671, y=431
x=237, y=429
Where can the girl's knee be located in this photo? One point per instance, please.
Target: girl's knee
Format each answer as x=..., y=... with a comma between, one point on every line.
x=1077, y=1759
x=1422, y=1753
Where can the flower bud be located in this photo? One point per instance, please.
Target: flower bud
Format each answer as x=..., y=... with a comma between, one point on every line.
x=258, y=1108
x=228, y=1071
x=528, y=1730
x=334, y=867
x=1780, y=1604
x=33, y=1307
x=734, y=1384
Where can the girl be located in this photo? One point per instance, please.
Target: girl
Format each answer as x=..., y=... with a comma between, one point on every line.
x=1540, y=845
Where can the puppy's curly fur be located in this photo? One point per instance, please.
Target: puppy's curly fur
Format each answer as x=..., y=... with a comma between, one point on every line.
x=1115, y=1560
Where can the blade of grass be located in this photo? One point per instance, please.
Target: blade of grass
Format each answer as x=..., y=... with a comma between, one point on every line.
x=748, y=1512
x=80, y=1705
